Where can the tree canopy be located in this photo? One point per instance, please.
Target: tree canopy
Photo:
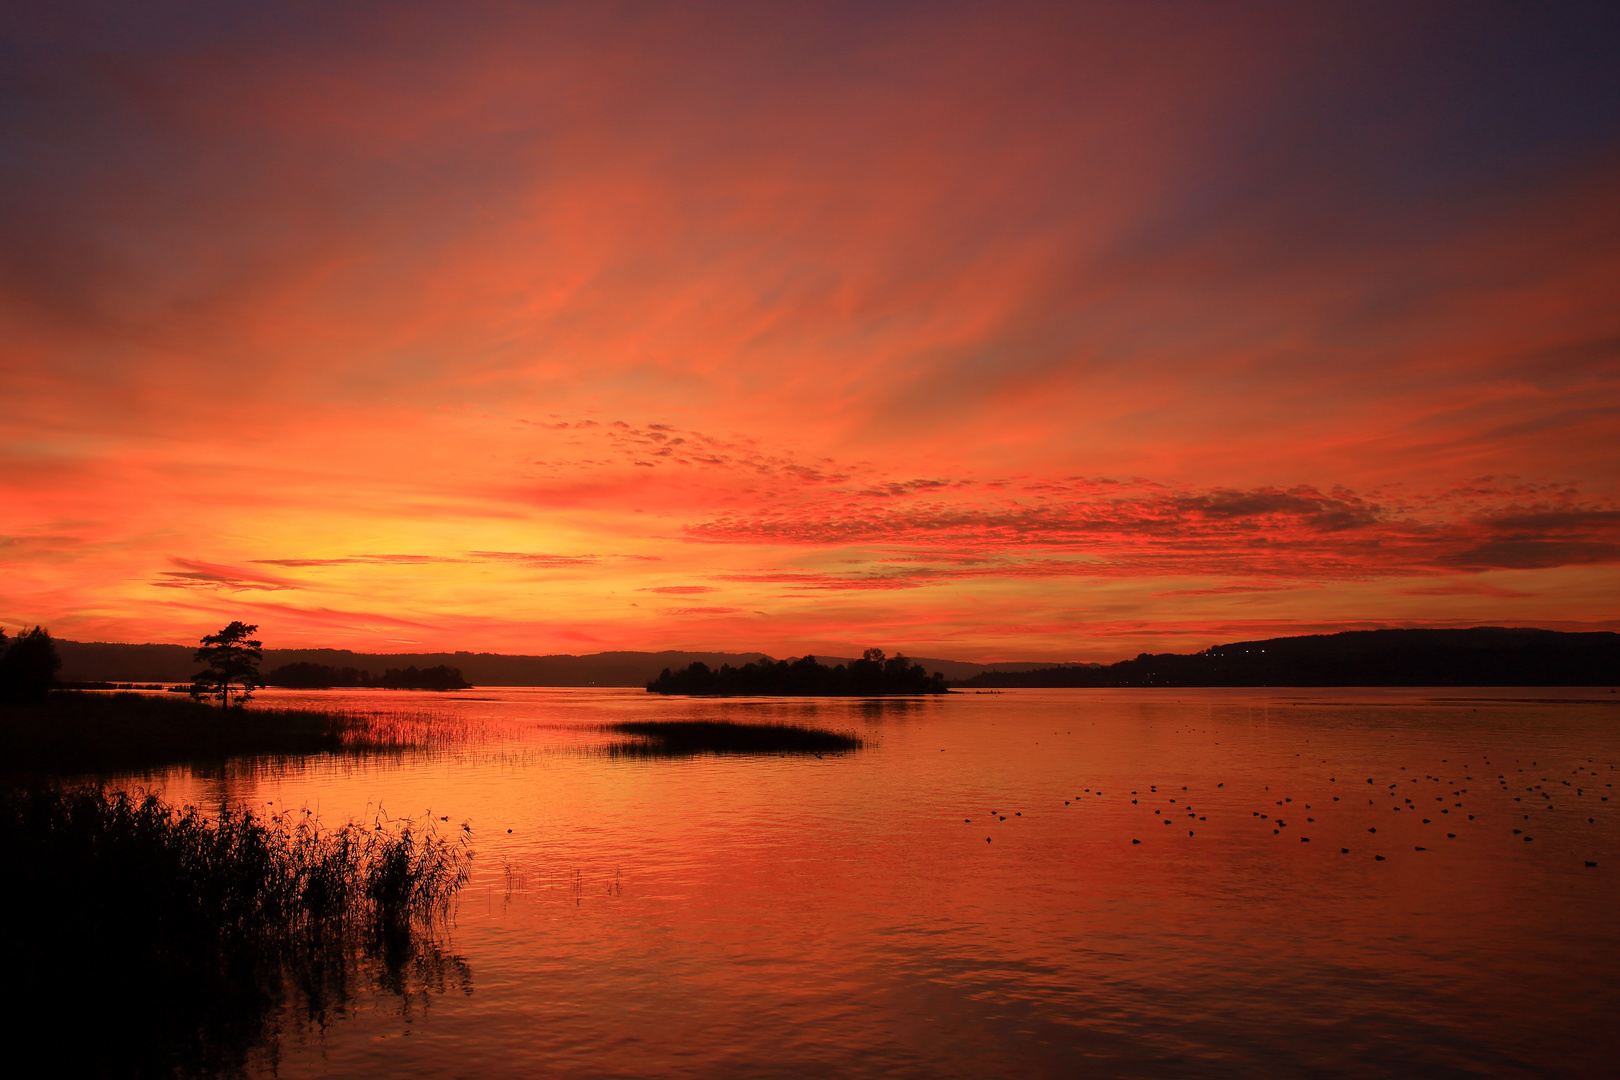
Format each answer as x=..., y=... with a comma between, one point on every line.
x=28, y=665
x=307, y=676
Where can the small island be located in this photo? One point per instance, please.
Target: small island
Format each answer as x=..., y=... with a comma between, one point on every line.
x=871, y=676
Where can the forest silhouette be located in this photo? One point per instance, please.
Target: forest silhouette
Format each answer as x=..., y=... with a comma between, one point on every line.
x=307, y=676
x=870, y=676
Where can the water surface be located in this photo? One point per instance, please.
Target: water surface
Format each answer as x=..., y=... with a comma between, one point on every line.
x=1032, y=883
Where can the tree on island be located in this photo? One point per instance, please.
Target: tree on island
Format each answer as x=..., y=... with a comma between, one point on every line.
x=873, y=675
x=307, y=676
x=233, y=658
x=28, y=665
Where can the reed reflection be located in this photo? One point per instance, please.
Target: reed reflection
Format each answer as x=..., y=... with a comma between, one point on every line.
x=689, y=738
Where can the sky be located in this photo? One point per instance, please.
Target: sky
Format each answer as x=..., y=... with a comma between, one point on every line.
x=981, y=331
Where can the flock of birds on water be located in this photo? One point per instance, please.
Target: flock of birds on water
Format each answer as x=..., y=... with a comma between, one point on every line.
x=1401, y=800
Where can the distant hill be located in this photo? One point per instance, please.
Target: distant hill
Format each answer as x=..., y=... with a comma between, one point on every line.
x=112, y=662
x=1481, y=656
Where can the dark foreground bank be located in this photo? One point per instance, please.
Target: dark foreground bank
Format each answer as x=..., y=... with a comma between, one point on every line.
x=161, y=941
x=73, y=731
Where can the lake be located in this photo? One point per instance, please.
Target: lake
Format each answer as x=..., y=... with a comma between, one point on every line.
x=1111, y=883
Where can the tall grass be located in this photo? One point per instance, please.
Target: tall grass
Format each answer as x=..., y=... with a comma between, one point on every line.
x=183, y=943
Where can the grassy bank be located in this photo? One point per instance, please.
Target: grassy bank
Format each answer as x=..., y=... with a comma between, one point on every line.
x=685, y=738
x=72, y=732
x=183, y=944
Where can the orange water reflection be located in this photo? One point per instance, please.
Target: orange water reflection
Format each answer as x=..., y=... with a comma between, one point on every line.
x=870, y=915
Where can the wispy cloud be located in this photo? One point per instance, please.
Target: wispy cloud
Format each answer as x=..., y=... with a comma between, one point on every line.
x=194, y=574
x=533, y=560
x=1467, y=588
x=1232, y=590
x=1300, y=532
x=362, y=560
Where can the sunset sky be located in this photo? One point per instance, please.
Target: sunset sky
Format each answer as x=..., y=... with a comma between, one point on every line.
x=982, y=331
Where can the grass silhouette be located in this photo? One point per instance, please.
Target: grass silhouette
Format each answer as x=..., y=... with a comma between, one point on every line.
x=183, y=944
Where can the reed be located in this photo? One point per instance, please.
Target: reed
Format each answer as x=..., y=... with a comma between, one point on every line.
x=183, y=943
x=687, y=738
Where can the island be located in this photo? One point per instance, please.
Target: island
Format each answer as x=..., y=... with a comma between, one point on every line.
x=874, y=675
x=307, y=676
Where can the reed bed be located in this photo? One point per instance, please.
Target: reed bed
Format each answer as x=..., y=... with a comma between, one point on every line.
x=78, y=732
x=184, y=944
x=688, y=738
x=410, y=729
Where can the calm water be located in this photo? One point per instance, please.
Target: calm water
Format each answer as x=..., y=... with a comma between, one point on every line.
x=965, y=897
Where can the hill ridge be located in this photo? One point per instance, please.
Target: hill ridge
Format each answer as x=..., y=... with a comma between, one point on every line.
x=1475, y=656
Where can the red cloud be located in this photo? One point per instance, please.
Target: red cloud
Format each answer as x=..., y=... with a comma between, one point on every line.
x=1467, y=588
x=1299, y=532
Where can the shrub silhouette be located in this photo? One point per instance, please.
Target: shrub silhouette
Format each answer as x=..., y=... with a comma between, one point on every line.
x=28, y=665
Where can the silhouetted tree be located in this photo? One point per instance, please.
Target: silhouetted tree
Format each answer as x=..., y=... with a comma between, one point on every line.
x=233, y=660
x=28, y=665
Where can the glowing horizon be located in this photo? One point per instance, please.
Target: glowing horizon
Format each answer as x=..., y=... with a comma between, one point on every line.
x=1040, y=333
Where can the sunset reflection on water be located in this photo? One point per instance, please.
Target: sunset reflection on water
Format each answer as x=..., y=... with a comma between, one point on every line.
x=1029, y=883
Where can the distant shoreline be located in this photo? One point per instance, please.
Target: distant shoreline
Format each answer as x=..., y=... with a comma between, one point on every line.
x=162, y=663
x=1480, y=656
